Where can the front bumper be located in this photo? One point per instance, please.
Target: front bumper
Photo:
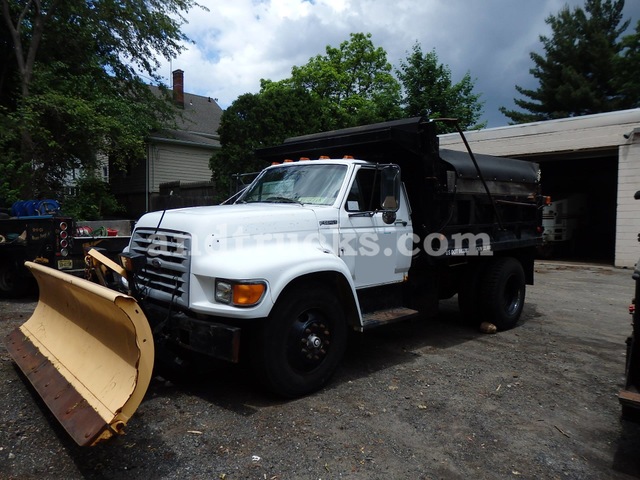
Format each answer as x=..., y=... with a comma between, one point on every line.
x=208, y=337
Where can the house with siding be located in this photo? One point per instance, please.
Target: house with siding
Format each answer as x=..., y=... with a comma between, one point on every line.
x=173, y=155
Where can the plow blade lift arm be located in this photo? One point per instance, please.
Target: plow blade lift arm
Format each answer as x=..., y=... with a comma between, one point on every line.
x=88, y=351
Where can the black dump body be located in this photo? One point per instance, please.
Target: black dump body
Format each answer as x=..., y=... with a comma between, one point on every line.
x=448, y=194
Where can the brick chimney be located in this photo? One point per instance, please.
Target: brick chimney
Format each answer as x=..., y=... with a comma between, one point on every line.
x=178, y=88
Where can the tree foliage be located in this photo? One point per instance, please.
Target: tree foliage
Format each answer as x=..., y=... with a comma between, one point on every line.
x=586, y=68
x=70, y=86
x=429, y=91
x=92, y=200
x=350, y=85
x=258, y=120
x=629, y=68
x=355, y=81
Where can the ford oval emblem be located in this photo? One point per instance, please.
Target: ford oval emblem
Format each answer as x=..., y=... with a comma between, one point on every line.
x=156, y=263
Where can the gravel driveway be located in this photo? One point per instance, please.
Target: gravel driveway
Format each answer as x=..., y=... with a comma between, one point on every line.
x=425, y=399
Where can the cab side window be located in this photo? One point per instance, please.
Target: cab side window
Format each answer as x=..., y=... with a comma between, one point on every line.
x=364, y=195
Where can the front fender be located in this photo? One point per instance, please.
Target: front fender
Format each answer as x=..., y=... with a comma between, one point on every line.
x=278, y=264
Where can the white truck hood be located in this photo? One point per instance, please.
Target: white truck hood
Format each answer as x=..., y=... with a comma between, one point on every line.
x=232, y=221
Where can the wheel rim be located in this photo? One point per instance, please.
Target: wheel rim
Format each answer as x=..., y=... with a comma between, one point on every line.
x=309, y=341
x=512, y=296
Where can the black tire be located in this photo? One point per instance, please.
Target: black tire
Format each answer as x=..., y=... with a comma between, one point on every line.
x=302, y=342
x=502, y=292
x=629, y=350
x=12, y=284
x=631, y=414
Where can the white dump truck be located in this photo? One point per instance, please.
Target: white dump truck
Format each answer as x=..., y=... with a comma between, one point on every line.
x=347, y=230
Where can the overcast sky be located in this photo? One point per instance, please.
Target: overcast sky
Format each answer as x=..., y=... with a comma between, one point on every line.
x=238, y=42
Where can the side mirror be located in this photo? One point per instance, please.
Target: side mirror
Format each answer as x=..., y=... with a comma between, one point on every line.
x=389, y=192
x=390, y=188
x=637, y=195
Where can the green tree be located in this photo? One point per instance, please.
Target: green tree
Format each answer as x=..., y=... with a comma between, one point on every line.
x=92, y=200
x=252, y=121
x=355, y=80
x=351, y=85
x=581, y=71
x=63, y=106
x=429, y=91
x=629, y=68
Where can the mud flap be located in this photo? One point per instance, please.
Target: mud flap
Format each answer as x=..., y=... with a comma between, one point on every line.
x=88, y=351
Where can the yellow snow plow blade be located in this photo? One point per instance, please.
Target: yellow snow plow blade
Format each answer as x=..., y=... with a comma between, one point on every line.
x=88, y=351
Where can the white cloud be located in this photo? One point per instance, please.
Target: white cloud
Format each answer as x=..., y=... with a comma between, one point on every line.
x=241, y=41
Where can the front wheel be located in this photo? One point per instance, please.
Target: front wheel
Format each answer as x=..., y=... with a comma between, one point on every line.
x=502, y=292
x=302, y=342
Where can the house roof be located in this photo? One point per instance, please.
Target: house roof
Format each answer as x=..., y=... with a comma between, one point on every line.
x=200, y=115
x=197, y=123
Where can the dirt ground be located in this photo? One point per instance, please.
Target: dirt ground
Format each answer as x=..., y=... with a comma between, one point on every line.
x=427, y=399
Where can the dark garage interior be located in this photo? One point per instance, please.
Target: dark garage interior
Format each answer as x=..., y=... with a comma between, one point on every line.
x=587, y=190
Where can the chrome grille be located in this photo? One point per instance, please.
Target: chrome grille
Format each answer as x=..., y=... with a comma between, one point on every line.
x=165, y=276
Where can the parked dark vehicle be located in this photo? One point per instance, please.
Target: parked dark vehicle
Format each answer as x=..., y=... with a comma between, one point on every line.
x=53, y=240
x=629, y=396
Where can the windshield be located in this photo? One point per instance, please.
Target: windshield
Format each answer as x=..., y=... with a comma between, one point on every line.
x=316, y=184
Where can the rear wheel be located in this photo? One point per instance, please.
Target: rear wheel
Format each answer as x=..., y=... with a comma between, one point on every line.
x=302, y=342
x=502, y=292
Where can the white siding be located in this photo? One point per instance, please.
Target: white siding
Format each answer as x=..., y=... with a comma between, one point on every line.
x=628, y=212
x=171, y=163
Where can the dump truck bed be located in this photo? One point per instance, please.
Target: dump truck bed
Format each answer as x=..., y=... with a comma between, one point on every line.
x=451, y=192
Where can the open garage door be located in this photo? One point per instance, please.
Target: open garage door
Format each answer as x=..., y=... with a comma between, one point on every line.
x=580, y=224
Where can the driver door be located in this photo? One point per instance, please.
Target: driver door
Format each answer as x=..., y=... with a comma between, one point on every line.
x=375, y=228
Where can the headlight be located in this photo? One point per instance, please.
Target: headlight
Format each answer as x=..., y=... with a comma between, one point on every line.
x=224, y=292
x=240, y=293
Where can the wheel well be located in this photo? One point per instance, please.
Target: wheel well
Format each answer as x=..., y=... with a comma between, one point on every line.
x=525, y=257
x=332, y=281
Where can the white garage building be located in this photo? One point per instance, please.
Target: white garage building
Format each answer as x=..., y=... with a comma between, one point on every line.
x=597, y=156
